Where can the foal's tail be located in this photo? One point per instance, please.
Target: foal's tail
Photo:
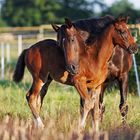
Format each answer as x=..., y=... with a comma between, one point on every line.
x=20, y=66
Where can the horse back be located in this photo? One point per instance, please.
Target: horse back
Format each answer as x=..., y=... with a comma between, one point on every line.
x=46, y=57
x=40, y=56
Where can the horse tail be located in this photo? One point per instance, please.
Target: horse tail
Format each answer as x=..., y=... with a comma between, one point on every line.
x=20, y=67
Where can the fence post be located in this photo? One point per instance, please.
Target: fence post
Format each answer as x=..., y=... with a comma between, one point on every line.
x=136, y=74
x=8, y=52
x=2, y=60
x=19, y=44
x=41, y=33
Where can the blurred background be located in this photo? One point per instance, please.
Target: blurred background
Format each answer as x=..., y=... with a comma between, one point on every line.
x=38, y=12
x=24, y=22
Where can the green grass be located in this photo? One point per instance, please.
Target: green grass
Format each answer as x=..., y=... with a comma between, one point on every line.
x=61, y=104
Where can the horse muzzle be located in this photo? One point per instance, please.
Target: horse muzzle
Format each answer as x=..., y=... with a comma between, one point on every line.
x=72, y=69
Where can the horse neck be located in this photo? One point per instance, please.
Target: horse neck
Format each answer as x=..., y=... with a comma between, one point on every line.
x=121, y=59
x=103, y=47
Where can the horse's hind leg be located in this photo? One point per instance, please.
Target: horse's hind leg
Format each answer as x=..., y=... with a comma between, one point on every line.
x=123, y=84
x=44, y=90
x=34, y=102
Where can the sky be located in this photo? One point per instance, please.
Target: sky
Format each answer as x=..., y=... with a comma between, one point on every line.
x=135, y=2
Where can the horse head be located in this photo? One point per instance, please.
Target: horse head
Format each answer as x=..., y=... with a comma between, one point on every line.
x=123, y=36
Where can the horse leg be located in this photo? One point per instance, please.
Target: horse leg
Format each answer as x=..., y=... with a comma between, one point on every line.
x=101, y=104
x=85, y=106
x=44, y=90
x=96, y=110
x=80, y=85
x=123, y=85
x=32, y=98
x=82, y=101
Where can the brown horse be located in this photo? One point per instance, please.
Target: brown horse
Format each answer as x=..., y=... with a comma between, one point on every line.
x=119, y=64
x=45, y=61
x=89, y=64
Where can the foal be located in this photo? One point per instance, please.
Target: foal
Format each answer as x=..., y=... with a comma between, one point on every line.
x=45, y=61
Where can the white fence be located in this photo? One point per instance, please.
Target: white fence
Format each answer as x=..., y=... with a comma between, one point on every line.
x=11, y=46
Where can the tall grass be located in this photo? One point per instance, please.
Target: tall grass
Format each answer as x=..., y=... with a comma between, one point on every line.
x=61, y=104
x=60, y=111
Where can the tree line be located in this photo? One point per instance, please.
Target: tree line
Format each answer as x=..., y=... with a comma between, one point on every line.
x=37, y=12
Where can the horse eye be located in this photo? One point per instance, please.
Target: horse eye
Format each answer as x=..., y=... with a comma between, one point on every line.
x=122, y=31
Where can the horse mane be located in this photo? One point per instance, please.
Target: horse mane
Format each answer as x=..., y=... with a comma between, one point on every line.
x=90, y=28
x=94, y=25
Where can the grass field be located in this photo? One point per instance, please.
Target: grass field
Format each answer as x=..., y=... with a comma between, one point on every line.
x=60, y=113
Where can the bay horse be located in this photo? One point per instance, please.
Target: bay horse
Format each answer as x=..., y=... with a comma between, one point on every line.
x=89, y=63
x=45, y=62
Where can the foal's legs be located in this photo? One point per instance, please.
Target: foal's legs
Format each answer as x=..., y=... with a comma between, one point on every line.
x=44, y=90
x=33, y=99
x=123, y=85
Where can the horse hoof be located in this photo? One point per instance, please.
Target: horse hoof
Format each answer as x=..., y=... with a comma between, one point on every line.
x=81, y=129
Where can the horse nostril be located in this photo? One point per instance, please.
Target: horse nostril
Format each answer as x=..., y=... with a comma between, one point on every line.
x=73, y=67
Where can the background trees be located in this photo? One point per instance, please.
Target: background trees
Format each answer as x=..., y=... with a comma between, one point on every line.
x=36, y=12
x=123, y=7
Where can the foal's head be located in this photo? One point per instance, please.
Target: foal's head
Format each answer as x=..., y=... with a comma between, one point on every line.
x=72, y=43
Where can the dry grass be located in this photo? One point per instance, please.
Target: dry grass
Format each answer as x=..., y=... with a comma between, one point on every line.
x=16, y=129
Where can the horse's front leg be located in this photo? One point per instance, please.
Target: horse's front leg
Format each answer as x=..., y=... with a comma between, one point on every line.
x=81, y=86
x=85, y=100
x=96, y=110
x=123, y=84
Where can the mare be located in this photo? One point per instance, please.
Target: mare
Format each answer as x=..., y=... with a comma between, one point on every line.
x=89, y=63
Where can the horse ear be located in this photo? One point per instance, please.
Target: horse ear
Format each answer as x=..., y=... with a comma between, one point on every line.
x=55, y=27
x=127, y=18
x=121, y=18
x=68, y=22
